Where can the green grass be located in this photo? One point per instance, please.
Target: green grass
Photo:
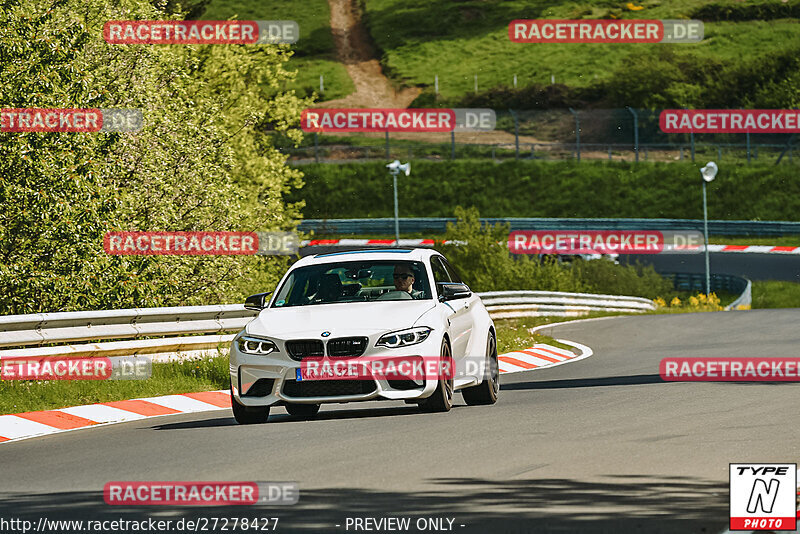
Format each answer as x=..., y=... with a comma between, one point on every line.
x=457, y=39
x=776, y=294
x=209, y=373
x=514, y=334
x=315, y=53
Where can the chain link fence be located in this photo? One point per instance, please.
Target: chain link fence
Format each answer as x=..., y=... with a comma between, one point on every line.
x=623, y=134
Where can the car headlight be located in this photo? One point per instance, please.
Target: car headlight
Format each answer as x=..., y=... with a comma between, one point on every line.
x=252, y=345
x=404, y=338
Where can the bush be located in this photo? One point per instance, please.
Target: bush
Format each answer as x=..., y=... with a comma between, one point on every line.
x=482, y=258
x=552, y=189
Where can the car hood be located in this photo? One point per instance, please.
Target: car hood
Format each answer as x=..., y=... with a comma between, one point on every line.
x=341, y=319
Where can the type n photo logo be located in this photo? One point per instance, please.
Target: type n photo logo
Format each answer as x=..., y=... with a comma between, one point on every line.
x=763, y=496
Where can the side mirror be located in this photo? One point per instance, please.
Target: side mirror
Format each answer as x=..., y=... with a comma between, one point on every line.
x=257, y=302
x=453, y=291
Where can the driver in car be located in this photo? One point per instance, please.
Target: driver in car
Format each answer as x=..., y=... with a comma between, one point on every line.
x=404, y=280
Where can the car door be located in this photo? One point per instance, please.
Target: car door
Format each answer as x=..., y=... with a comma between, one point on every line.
x=459, y=316
x=468, y=306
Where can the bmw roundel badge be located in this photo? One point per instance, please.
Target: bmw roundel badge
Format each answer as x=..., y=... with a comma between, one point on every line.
x=326, y=334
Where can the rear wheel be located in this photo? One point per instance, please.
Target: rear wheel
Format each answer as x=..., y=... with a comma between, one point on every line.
x=486, y=392
x=248, y=415
x=305, y=411
x=442, y=398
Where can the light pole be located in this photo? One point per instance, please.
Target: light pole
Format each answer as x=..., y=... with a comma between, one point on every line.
x=394, y=168
x=709, y=172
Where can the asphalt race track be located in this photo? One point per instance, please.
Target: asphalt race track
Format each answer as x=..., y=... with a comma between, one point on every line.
x=749, y=265
x=599, y=445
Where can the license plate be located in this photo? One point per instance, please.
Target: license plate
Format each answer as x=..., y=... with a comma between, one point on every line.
x=308, y=376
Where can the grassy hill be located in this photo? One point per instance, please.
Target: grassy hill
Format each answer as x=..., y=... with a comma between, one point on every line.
x=749, y=57
x=315, y=53
x=748, y=61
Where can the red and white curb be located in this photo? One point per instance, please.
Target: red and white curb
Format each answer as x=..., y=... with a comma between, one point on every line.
x=541, y=356
x=34, y=424
x=755, y=249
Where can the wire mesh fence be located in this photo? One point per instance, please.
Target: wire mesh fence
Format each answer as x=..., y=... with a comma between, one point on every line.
x=625, y=134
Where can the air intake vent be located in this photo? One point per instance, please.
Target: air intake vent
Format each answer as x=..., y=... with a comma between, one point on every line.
x=304, y=348
x=347, y=346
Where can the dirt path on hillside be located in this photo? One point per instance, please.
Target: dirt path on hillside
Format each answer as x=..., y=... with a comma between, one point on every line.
x=356, y=53
x=373, y=90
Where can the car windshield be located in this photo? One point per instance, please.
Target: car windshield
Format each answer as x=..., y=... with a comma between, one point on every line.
x=354, y=281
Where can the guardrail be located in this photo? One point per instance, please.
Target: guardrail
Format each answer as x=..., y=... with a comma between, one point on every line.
x=385, y=226
x=719, y=282
x=506, y=304
x=45, y=334
x=40, y=329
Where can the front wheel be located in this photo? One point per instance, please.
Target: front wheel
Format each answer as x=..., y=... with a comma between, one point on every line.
x=304, y=411
x=248, y=415
x=442, y=398
x=486, y=392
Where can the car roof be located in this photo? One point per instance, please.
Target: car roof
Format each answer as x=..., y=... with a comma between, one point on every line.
x=391, y=254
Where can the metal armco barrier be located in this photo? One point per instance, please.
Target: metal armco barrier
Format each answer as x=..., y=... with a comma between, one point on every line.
x=40, y=334
x=719, y=282
x=439, y=224
x=39, y=329
x=506, y=304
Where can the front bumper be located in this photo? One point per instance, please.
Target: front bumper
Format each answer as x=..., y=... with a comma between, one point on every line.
x=268, y=380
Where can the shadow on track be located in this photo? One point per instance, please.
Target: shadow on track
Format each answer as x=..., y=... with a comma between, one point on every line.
x=632, y=380
x=617, y=504
x=275, y=418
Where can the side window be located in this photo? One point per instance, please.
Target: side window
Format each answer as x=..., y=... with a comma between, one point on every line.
x=454, y=277
x=439, y=274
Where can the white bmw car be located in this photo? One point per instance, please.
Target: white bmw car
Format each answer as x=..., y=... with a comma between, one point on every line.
x=359, y=306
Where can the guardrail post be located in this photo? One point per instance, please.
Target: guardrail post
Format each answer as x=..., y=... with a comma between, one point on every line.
x=387, y=145
x=453, y=144
x=316, y=147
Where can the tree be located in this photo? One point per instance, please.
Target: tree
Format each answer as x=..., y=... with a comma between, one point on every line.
x=203, y=160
